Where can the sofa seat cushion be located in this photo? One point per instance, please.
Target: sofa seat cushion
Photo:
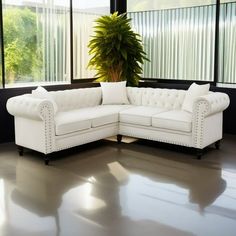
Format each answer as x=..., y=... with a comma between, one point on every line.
x=140, y=115
x=86, y=118
x=72, y=121
x=106, y=114
x=173, y=120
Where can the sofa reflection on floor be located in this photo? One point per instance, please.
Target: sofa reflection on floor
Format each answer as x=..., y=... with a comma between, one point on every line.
x=205, y=184
x=40, y=190
x=43, y=192
x=144, y=184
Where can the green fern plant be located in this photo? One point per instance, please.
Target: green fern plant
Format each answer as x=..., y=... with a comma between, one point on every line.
x=117, y=51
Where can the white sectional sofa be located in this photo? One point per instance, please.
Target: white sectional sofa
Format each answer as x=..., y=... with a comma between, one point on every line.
x=73, y=117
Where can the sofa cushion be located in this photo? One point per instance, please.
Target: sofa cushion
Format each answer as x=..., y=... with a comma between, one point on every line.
x=193, y=92
x=85, y=118
x=140, y=115
x=72, y=121
x=173, y=120
x=114, y=93
x=41, y=92
x=106, y=114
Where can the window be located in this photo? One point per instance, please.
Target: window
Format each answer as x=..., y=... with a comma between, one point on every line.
x=36, y=41
x=179, y=38
x=85, y=12
x=227, y=42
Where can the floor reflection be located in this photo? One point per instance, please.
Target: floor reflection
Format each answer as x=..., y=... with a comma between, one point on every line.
x=203, y=184
x=121, y=191
x=37, y=196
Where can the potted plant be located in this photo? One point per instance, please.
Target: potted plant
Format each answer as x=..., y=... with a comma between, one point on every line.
x=117, y=51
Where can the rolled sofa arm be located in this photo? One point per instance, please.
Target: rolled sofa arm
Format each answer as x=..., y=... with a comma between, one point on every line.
x=211, y=103
x=203, y=107
x=29, y=107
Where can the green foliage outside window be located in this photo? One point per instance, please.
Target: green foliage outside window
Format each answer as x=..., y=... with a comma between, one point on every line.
x=22, y=48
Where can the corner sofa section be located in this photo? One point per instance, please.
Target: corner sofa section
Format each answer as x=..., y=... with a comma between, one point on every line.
x=81, y=118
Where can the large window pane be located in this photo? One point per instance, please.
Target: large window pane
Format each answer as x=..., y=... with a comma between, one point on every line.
x=179, y=38
x=36, y=41
x=84, y=14
x=227, y=43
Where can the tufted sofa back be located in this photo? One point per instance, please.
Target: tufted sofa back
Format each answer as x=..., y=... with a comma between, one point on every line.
x=163, y=98
x=88, y=97
x=77, y=98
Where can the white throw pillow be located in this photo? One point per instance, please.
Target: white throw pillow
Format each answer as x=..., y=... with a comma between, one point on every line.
x=41, y=92
x=194, y=92
x=114, y=93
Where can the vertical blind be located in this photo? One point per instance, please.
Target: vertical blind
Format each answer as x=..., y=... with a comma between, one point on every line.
x=227, y=44
x=82, y=32
x=179, y=42
x=55, y=23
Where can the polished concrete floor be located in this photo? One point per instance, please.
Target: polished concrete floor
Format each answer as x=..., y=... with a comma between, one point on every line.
x=132, y=189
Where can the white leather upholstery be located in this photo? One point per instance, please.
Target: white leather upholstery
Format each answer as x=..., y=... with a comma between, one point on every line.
x=139, y=115
x=214, y=102
x=204, y=106
x=156, y=134
x=69, y=122
x=77, y=98
x=28, y=106
x=210, y=133
x=107, y=114
x=85, y=136
x=193, y=92
x=86, y=118
x=153, y=114
x=31, y=134
x=173, y=120
x=155, y=97
x=114, y=93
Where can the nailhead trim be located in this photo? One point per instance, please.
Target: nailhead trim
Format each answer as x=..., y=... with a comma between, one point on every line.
x=133, y=134
x=200, y=110
x=95, y=138
x=46, y=111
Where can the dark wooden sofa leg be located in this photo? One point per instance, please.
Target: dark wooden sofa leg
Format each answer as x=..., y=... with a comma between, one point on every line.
x=199, y=153
x=20, y=150
x=119, y=138
x=46, y=159
x=217, y=145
